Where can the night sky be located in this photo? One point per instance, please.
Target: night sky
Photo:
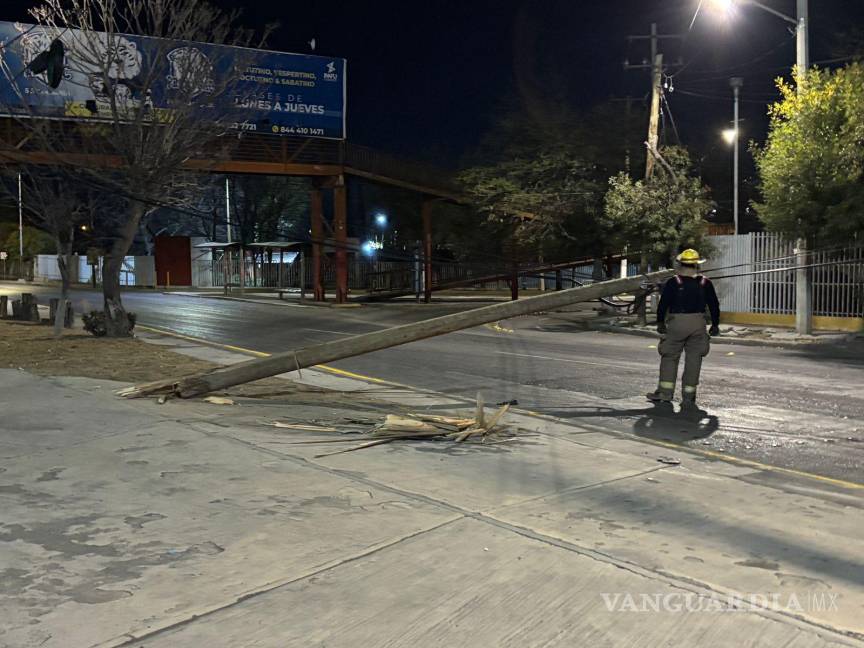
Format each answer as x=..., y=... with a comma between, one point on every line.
x=427, y=78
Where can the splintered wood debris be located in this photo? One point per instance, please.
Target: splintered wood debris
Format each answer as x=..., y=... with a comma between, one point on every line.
x=407, y=427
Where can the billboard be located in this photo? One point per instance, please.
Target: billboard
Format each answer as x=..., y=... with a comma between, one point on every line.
x=276, y=93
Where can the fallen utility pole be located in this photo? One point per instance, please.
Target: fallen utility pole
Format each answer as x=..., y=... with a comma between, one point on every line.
x=244, y=372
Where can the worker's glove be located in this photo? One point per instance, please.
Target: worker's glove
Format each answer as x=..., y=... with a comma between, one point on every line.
x=661, y=328
x=714, y=330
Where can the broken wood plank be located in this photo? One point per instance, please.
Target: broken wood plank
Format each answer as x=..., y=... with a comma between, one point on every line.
x=360, y=447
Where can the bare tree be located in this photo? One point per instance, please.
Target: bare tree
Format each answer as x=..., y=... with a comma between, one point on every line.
x=62, y=209
x=159, y=105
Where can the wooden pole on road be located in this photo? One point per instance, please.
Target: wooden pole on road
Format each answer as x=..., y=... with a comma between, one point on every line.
x=301, y=358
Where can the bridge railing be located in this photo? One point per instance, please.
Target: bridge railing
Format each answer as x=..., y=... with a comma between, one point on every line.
x=81, y=138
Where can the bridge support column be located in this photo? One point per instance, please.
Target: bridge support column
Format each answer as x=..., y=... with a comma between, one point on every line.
x=426, y=215
x=316, y=210
x=340, y=234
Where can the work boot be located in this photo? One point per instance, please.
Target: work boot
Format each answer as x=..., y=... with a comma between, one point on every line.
x=688, y=398
x=660, y=396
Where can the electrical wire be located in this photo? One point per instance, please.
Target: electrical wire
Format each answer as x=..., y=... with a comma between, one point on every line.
x=784, y=68
x=700, y=95
x=671, y=117
x=722, y=73
x=795, y=267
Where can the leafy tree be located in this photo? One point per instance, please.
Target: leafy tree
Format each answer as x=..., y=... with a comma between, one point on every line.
x=35, y=242
x=551, y=197
x=661, y=215
x=812, y=165
x=544, y=175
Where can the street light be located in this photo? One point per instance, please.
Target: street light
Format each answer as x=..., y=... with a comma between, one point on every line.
x=381, y=219
x=803, y=285
x=729, y=9
x=729, y=135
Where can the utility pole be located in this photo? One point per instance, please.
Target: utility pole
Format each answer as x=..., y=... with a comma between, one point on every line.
x=656, y=67
x=736, y=83
x=654, y=119
x=655, y=64
x=228, y=208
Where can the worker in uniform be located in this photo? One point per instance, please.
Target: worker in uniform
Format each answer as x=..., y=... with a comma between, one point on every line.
x=688, y=304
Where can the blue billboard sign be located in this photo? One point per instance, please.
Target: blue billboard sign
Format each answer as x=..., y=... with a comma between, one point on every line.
x=269, y=92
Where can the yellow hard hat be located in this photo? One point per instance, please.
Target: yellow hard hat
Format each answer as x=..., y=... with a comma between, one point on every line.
x=690, y=257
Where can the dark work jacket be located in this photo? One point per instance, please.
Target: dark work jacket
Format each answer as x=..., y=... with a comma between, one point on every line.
x=689, y=295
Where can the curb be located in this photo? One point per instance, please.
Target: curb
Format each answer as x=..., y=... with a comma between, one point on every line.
x=609, y=328
x=266, y=302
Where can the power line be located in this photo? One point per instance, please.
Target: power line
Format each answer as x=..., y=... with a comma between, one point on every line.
x=722, y=73
x=784, y=68
x=671, y=118
x=722, y=98
x=792, y=268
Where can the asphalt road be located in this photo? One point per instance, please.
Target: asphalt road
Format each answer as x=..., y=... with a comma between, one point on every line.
x=800, y=409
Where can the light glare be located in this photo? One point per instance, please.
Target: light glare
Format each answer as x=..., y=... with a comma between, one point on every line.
x=724, y=8
x=730, y=135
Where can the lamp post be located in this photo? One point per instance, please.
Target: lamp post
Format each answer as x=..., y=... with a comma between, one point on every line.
x=801, y=21
x=803, y=285
x=736, y=83
x=20, y=224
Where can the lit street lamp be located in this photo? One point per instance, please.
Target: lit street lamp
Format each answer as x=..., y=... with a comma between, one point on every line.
x=381, y=219
x=729, y=8
x=803, y=285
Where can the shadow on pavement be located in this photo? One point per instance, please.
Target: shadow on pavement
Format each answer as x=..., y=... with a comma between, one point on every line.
x=659, y=421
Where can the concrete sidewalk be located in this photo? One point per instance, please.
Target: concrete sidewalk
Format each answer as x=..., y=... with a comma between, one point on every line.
x=193, y=524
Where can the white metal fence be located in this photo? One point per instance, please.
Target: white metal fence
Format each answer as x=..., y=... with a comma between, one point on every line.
x=136, y=270
x=838, y=285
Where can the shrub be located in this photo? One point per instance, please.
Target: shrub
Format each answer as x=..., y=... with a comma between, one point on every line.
x=94, y=322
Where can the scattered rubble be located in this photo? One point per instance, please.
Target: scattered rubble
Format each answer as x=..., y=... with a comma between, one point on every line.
x=417, y=426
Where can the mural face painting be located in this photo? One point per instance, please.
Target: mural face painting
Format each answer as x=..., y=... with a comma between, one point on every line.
x=132, y=77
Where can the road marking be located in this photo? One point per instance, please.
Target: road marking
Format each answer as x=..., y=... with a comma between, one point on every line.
x=665, y=444
x=759, y=464
x=496, y=326
x=326, y=331
x=356, y=376
x=262, y=354
x=585, y=362
x=230, y=347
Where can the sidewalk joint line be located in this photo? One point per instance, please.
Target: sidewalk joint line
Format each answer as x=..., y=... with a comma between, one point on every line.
x=687, y=584
x=271, y=587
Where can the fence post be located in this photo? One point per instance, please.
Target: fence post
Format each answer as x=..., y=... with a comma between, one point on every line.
x=340, y=234
x=302, y=275
x=426, y=214
x=316, y=209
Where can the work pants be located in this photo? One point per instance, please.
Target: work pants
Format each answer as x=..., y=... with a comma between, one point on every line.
x=685, y=333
